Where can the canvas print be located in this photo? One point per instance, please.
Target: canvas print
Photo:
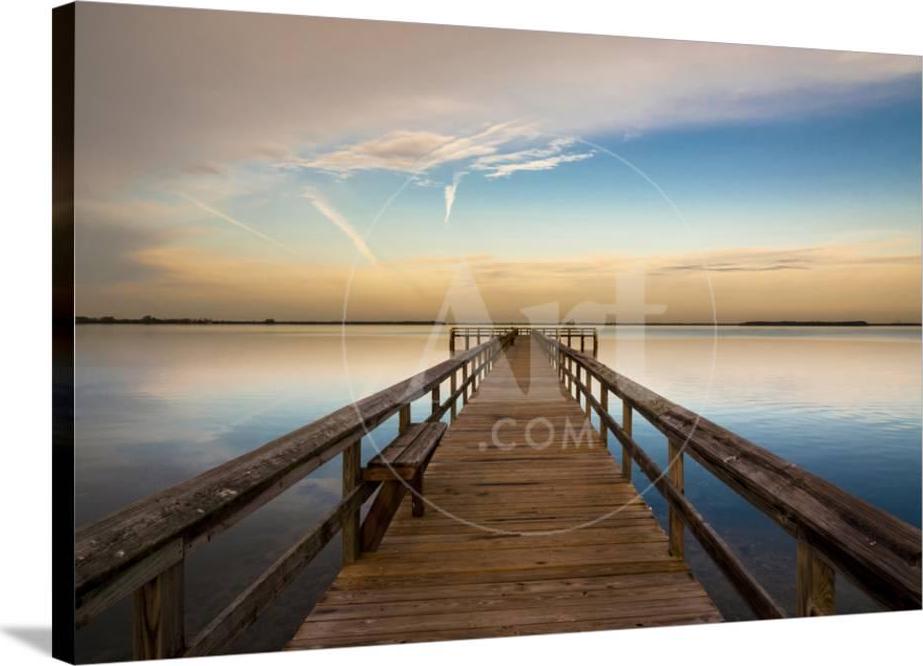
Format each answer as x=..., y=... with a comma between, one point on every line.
x=386, y=332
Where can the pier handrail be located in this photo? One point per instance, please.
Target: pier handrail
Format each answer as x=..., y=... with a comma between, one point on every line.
x=834, y=530
x=568, y=335
x=140, y=549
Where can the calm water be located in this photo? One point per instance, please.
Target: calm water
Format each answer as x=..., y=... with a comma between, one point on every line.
x=156, y=405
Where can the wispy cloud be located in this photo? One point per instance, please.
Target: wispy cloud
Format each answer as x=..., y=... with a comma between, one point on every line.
x=235, y=222
x=543, y=164
x=759, y=260
x=340, y=222
x=450, y=194
x=543, y=158
x=413, y=151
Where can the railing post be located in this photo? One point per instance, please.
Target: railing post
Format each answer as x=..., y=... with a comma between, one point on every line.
x=626, y=426
x=452, y=343
x=467, y=340
x=604, y=406
x=676, y=478
x=453, y=386
x=595, y=343
x=158, y=618
x=577, y=383
x=589, y=392
x=814, y=583
x=582, y=343
x=464, y=383
x=435, y=400
x=403, y=419
x=352, y=477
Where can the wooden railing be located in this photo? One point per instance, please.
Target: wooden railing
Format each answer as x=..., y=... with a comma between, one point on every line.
x=140, y=550
x=472, y=335
x=572, y=336
x=834, y=530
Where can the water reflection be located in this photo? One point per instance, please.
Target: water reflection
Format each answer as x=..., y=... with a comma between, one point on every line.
x=156, y=405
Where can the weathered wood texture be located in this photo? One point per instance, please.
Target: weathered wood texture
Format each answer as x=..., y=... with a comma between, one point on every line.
x=877, y=551
x=400, y=466
x=406, y=454
x=158, y=617
x=247, y=606
x=352, y=477
x=815, y=581
x=533, y=530
x=129, y=544
x=759, y=600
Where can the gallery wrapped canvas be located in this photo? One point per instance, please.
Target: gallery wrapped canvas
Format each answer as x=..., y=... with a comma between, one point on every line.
x=372, y=333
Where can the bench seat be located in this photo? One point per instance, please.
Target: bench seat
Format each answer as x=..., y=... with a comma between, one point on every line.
x=406, y=455
x=399, y=466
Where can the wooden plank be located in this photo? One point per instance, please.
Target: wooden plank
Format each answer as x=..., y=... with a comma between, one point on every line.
x=391, y=453
x=677, y=480
x=406, y=454
x=750, y=589
x=211, y=502
x=421, y=449
x=380, y=514
x=527, y=538
x=814, y=588
x=104, y=596
x=403, y=418
x=416, y=486
x=158, y=616
x=626, y=426
x=246, y=607
x=877, y=551
x=352, y=478
x=604, y=405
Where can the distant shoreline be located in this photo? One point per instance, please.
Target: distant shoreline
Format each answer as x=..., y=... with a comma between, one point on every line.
x=155, y=321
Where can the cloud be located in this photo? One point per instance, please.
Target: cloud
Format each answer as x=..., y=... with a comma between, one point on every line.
x=340, y=222
x=450, y=194
x=120, y=261
x=216, y=98
x=502, y=165
x=544, y=164
x=412, y=152
x=759, y=260
x=235, y=222
x=418, y=152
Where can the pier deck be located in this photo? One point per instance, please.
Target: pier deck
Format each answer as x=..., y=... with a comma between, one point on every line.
x=517, y=538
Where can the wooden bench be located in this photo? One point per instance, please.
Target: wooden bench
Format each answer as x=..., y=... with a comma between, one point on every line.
x=400, y=464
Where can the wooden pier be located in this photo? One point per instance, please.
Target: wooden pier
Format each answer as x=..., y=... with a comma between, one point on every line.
x=514, y=519
x=530, y=533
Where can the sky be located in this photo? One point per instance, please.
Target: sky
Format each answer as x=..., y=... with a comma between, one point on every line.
x=250, y=166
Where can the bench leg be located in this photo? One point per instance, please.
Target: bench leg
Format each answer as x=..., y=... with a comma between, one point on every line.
x=417, y=503
x=380, y=514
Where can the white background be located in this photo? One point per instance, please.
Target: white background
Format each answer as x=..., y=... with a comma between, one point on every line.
x=25, y=331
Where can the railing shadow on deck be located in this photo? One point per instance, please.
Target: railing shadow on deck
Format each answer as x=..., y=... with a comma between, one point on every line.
x=140, y=550
x=834, y=530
